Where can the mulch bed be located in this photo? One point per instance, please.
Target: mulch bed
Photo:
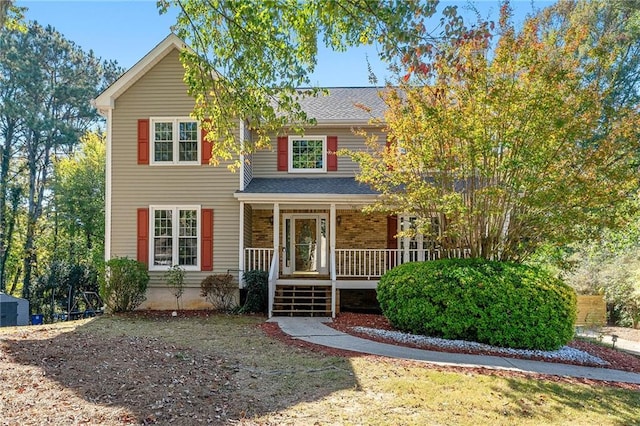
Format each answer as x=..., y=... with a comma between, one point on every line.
x=346, y=321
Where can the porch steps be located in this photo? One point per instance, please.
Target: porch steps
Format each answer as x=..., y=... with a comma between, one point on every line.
x=302, y=300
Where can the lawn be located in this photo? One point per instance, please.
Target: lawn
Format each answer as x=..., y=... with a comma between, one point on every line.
x=221, y=369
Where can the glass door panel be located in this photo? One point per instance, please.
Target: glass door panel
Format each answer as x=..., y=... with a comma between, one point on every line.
x=306, y=242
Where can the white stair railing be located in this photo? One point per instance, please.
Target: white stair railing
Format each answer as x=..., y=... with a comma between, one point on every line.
x=333, y=282
x=273, y=277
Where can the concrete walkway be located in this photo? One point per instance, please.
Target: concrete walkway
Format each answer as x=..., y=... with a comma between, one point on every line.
x=620, y=344
x=313, y=330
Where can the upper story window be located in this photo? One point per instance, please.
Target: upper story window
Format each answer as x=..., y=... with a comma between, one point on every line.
x=307, y=154
x=174, y=141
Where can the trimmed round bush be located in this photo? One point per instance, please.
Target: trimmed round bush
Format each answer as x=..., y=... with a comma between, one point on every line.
x=498, y=303
x=124, y=284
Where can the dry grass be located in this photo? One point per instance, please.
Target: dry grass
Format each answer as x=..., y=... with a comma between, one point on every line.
x=224, y=369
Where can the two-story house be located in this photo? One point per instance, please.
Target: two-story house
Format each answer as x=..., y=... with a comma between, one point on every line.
x=294, y=211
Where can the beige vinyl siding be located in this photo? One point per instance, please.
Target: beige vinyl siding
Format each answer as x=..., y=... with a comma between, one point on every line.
x=265, y=163
x=162, y=93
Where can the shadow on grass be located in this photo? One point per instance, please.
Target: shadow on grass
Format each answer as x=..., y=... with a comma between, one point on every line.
x=117, y=370
x=542, y=400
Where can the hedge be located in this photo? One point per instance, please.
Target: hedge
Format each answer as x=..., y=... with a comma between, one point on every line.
x=498, y=303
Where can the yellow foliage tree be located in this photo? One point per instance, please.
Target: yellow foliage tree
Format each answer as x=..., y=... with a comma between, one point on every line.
x=504, y=144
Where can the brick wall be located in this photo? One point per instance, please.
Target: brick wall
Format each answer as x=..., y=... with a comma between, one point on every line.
x=356, y=230
x=360, y=231
x=262, y=232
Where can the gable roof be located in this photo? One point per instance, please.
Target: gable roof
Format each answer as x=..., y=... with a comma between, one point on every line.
x=342, y=106
x=107, y=98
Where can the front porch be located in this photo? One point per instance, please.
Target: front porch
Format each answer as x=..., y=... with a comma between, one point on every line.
x=317, y=294
x=314, y=240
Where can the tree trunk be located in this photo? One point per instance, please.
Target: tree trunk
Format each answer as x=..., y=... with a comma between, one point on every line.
x=28, y=260
x=10, y=226
x=37, y=182
x=29, y=252
x=16, y=278
x=5, y=162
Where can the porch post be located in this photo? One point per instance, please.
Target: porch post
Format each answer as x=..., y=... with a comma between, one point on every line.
x=276, y=233
x=274, y=267
x=332, y=238
x=332, y=257
x=241, y=245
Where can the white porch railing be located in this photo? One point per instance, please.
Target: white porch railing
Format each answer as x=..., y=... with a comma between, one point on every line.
x=368, y=263
x=364, y=263
x=416, y=255
x=273, y=277
x=357, y=263
x=257, y=258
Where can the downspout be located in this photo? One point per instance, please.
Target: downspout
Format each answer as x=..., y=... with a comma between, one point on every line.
x=241, y=245
x=107, y=193
x=241, y=130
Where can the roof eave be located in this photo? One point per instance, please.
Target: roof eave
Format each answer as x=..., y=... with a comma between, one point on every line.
x=348, y=123
x=305, y=198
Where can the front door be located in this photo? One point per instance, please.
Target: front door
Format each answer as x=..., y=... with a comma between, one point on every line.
x=305, y=238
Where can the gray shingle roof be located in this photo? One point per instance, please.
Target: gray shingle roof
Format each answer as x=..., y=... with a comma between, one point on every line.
x=341, y=104
x=307, y=186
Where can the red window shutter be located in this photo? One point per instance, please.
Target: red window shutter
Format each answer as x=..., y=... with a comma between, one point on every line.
x=143, y=141
x=206, y=147
x=206, y=240
x=392, y=230
x=283, y=153
x=332, y=158
x=143, y=236
x=392, y=241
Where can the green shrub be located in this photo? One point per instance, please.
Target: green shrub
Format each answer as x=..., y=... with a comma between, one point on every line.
x=257, y=285
x=124, y=284
x=501, y=304
x=175, y=281
x=218, y=290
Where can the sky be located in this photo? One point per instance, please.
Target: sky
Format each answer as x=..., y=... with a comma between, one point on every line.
x=125, y=31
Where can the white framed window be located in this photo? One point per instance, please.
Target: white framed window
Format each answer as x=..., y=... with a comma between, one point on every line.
x=175, y=237
x=174, y=141
x=307, y=154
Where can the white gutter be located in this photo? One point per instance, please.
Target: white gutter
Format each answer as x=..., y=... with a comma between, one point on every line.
x=241, y=245
x=305, y=198
x=347, y=123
